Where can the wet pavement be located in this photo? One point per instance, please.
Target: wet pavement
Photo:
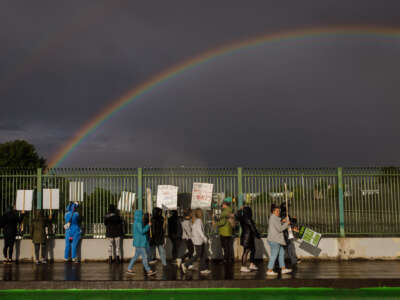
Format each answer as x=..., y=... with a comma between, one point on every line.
x=98, y=275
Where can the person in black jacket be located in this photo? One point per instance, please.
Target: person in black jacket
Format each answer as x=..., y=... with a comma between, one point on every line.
x=175, y=234
x=249, y=233
x=114, y=232
x=290, y=249
x=10, y=221
x=157, y=236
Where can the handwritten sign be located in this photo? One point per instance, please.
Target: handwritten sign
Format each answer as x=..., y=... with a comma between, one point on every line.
x=24, y=200
x=126, y=201
x=310, y=236
x=76, y=191
x=167, y=196
x=202, y=195
x=51, y=199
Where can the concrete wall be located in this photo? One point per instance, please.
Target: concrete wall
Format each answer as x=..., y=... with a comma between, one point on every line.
x=332, y=248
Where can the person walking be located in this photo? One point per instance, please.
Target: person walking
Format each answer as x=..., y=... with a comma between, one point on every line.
x=39, y=236
x=10, y=222
x=200, y=241
x=225, y=230
x=157, y=237
x=290, y=249
x=175, y=235
x=140, y=243
x=276, y=241
x=114, y=233
x=187, y=234
x=72, y=232
x=247, y=238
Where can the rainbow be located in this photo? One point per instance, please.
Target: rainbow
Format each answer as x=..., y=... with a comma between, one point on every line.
x=175, y=70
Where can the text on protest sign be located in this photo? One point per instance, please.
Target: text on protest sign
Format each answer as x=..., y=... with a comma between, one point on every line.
x=51, y=199
x=202, y=195
x=167, y=195
x=310, y=236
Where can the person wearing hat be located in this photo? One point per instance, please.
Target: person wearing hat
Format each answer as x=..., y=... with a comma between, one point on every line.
x=225, y=230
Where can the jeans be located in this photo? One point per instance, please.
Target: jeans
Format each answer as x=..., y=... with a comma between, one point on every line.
x=226, y=244
x=140, y=251
x=276, y=251
x=200, y=253
x=161, y=252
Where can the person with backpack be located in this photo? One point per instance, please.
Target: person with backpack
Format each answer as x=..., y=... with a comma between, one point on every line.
x=39, y=236
x=157, y=237
x=140, y=242
x=175, y=235
x=114, y=232
x=72, y=232
x=10, y=222
x=200, y=241
x=187, y=234
x=225, y=226
x=249, y=234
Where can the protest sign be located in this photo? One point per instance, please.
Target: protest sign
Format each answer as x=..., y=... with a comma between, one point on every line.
x=76, y=191
x=202, y=195
x=24, y=200
x=310, y=236
x=126, y=201
x=51, y=199
x=167, y=196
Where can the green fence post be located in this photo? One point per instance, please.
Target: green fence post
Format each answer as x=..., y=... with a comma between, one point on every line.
x=240, y=186
x=140, y=188
x=39, y=189
x=341, y=204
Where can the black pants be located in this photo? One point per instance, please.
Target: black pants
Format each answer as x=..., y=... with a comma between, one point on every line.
x=37, y=249
x=175, y=247
x=226, y=244
x=200, y=253
x=8, y=246
x=246, y=252
x=290, y=250
x=190, y=248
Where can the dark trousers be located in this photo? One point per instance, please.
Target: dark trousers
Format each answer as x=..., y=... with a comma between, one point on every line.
x=37, y=249
x=290, y=250
x=200, y=253
x=8, y=246
x=190, y=249
x=175, y=247
x=226, y=244
x=246, y=252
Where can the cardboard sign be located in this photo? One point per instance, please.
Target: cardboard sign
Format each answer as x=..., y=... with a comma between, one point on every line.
x=51, y=199
x=167, y=196
x=24, y=200
x=126, y=201
x=76, y=191
x=149, y=200
x=202, y=195
x=310, y=236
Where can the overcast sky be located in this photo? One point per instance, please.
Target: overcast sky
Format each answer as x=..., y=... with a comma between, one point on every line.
x=318, y=101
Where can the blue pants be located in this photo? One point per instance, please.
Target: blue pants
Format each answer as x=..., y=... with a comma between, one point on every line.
x=276, y=250
x=140, y=251
x=161, y=252
x=71, y=246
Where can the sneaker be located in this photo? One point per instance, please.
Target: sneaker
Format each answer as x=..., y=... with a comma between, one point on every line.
x=271, y=273
x=153, y=262
x=286, y=271
x=184, y=269
x=178, y=262
x=67, y=260
x=253, y=267
x=43, y=261
x=76, y=261
x=191, y=267
x=298, y=261
x=131, y=272
x=245, y=269
x=37, y=262
x=205, y=272
x=151, y=273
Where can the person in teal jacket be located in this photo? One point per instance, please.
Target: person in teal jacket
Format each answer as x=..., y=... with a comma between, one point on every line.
x=140, y=242
x=72, y=232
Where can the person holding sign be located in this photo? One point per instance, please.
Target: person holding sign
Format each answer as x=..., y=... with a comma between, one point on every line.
x=72, y=232
x=38, y=233
x=290, y=249
x=114, y=232
x=10, y=222
x=276, y=241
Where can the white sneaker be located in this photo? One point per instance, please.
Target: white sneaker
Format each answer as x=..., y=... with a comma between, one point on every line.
x=179, y=262
x=191, y=267
x=205, y=272
x=253, y=267
x=245, y=269
x=153, y=262
x=271, y=273
x=184, y=270
x=286, y=271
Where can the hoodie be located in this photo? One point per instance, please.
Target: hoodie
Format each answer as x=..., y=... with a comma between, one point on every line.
x=139, y=231
x=72, y=217
x=157, y=227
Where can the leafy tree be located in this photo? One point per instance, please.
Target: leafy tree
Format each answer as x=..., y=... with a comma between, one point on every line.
x=19, y=154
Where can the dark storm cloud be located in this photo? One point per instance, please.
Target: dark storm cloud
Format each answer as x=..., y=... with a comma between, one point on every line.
x=319, y=102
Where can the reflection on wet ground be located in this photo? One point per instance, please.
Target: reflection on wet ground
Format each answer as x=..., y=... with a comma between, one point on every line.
x=100, y=271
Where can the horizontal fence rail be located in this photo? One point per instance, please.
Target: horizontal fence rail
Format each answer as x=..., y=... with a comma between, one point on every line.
x=332, y=201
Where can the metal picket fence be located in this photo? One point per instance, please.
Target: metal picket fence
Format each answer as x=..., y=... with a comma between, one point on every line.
x=333, y=201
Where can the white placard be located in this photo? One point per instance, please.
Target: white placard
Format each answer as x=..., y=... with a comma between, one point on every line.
x=76, y=191
x=149, y=200
x=202, y=195
x=24, y=200
x=126, y=201
x=51, y=199
x=167, y=196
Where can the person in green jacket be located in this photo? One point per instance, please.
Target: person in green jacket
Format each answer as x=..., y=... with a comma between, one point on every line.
x=38, y=232
x=225, y=230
